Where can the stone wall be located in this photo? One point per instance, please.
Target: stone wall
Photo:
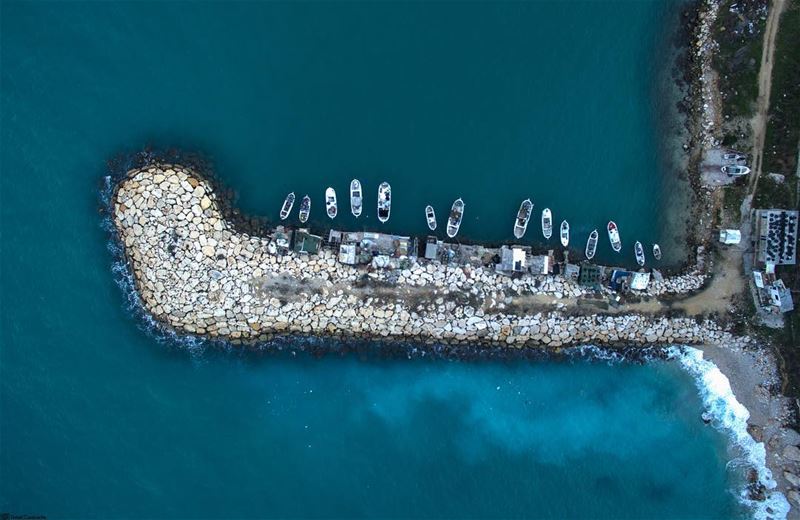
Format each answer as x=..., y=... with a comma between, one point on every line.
x=198, y=275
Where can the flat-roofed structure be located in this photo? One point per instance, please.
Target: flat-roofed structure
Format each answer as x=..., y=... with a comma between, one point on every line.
x=775, y=231
x=512, y=260
x=305, y=242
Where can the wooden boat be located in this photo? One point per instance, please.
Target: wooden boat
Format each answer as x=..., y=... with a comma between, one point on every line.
x=657, y=251
x=456, y=215
x=547, y=223
x=564, y=233
x=286, y=209
x=430, y=216
x=523, y=216
x=639, y=251
x=330, y=202
x=591, y=244
x=356, y=199
x=613, y=236
x=384, y=201
x=305, y=208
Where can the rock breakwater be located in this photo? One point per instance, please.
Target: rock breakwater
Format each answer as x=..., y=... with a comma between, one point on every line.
x=198, y=275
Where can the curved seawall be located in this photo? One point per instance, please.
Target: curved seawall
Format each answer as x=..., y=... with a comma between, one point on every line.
x=199, y=275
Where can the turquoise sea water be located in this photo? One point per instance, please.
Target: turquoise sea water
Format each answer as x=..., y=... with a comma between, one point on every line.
x=487, y=101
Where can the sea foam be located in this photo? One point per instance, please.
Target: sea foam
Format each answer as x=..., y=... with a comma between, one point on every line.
x=729, y=415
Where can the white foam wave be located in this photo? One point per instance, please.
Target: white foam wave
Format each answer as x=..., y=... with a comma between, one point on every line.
x=729, y=415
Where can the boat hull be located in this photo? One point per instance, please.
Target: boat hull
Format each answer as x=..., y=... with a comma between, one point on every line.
x=356, y=198
x=288, y=204
x=564, y=233
x=430, y=217
x=613, y=237
x=305, y=209
x=331, y=207
x=384, y=202
x=638, y=250
x=547, y=223
x=456, y=216
x=523, y=217
x=591, y=245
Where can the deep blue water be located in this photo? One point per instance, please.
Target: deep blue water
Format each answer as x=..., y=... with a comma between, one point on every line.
x=485, y=101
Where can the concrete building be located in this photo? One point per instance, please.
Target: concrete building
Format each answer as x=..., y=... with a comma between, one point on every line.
x=512, y=260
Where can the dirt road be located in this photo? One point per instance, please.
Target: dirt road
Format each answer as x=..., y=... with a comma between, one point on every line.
x=759, y=121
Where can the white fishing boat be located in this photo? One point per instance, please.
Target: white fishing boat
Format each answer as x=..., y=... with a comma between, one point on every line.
x=286, y=209
x=564, y=233
x=639, y=251
x=356, y=199
x=547, y=223
x=330, y=202
x=430, y=216
x=657, y=251
x=591, y=244
x=523, y=216
x=454, y=221
x=735, y=170
x=613, y=236
x=384, y=201
x=305, y=208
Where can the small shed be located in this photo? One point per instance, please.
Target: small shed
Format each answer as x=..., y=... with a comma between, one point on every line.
x=347, y=254
x=730, y=236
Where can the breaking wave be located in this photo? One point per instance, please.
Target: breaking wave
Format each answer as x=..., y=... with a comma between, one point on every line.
x=729, y=415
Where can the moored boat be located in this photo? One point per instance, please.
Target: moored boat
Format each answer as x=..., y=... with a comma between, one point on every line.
x=305, y=208
x=564, y=233
x=657, y=251
x=591, y=244
x=639, y=251
x=456, y=215
x=286, y=209
x=523, y=216
x=613, y=236
x=356, y=199
x=547, y=223
x=330, y=202
x=384, y=201
x=430, y=216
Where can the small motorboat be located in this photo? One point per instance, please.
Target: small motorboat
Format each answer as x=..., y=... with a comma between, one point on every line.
x=733, y=156
x=591, y=244
x=564, y=233
x=286, y=209
x=330, y=202
x=523, y=216
x=735, y=170
x=547, y=223
x=430, y=216
x=656, y=251
x=305, y=208
x=613, y=236
x=454, y=221
x=355, y=197
x=384, y=201
x=639, y=251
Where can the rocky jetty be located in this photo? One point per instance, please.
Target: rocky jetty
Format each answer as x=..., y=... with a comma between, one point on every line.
x=198, y=275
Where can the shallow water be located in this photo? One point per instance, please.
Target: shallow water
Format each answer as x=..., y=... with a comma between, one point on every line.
x=489, y=102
